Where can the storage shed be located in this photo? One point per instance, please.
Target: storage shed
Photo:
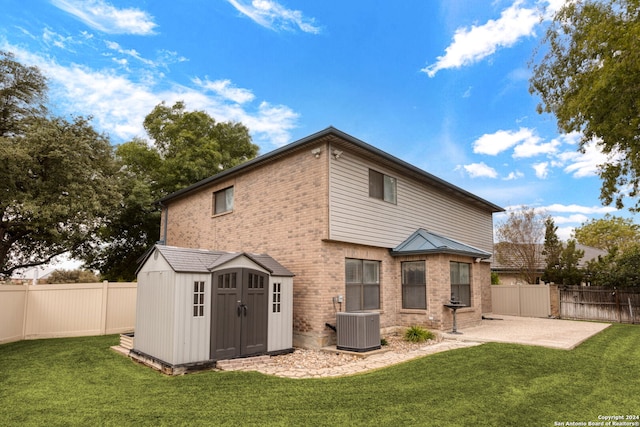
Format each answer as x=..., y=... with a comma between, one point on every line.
x=196, y=306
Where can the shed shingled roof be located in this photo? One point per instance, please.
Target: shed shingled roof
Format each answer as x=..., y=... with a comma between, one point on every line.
x=188, y=260
x=424, y=242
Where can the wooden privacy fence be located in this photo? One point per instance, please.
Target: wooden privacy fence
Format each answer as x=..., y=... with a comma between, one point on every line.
x=593, y=303
x=70, y=310
x=521, y=300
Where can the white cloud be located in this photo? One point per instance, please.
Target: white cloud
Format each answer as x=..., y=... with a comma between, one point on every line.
x=119, y=104
x=274, y=16
x=513, y=175
x=583, y=164
x=542, y=169
x=587, y=210
x=472, y=44
x=576, y=218
x=533, y=146
x=101, y=15
x=225, y=89
x=495, y=143
x=52, y=38
x=129, y=52
x=479, y=170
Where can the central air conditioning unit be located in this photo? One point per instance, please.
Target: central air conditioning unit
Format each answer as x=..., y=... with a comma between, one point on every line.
x=358, y=331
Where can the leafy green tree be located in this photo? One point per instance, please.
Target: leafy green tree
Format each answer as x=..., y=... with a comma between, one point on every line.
x=562, y=261
x=22, y=94
x=608, y=233
x=552, y=251
x=570, y=271
x=589, y=78
x=188, y=146
x=616, y=269
x=72, y=276
x=58, y=184
x=193, y=146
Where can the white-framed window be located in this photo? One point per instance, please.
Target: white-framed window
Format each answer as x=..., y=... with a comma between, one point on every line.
x=276, y=297
x=461, y=282
x=414, y=285
x=223, y=201
x=362, y=284
x=198, y=299
x=382, y=186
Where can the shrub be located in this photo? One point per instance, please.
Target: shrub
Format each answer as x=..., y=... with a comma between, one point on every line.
x=383, y=342
x=418, y=334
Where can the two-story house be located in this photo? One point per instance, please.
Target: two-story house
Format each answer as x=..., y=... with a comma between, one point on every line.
x=360, y=229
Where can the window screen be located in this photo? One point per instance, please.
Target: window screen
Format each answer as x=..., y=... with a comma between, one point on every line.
x=461, y=282
x=363, y=284
x=223, y=201
x=414, y=285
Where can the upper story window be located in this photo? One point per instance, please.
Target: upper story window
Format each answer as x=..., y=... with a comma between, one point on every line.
x=223, y=201
x=382, y=186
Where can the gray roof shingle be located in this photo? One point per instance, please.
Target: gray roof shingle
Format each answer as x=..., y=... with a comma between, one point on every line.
x=188, y=260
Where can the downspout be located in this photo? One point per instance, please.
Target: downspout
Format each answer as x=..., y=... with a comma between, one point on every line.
x=163, y=236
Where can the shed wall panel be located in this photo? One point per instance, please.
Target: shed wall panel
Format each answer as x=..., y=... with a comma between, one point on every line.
x=154, y=332
x=280, y=324
x=192, y=334
x=357, y=218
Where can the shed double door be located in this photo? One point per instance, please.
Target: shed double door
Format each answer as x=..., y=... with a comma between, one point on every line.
x=239, y=315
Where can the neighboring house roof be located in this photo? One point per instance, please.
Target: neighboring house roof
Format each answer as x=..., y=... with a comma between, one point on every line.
x=425, y=242
x=187, y=260
x=590, y=253
x=332, y=132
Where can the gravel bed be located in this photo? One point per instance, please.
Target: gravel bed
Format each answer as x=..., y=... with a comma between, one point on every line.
x=303, y=358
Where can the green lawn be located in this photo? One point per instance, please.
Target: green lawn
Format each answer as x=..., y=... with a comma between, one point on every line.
x=80, y=381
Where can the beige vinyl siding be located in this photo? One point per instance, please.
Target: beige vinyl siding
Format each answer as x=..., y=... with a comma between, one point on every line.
x=357, y=218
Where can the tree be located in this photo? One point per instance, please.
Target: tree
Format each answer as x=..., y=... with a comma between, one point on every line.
x=570, y=271
x=519, y=242
x=188, y=146
x=562, y=260
x=58, y=185
x=193, y=146
x=72, y=276
x=589, y=79
x=616, y=269
x=552, y=252
x=608, y=233
x=22, y=94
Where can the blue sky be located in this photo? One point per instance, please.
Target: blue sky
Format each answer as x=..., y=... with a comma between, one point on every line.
x=440, y=84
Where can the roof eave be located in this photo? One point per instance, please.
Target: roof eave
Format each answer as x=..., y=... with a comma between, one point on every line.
x=314, y=137
x=481, y=255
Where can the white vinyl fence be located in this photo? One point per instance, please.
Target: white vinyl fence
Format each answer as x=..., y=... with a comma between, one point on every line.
x=70, y=310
